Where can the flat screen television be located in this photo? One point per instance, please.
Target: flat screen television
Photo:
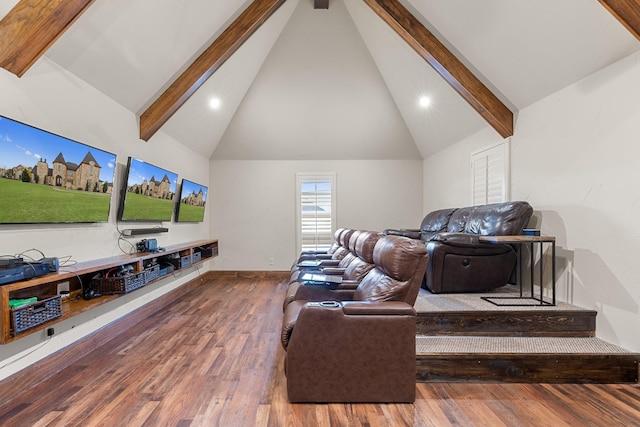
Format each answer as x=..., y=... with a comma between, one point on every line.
x=47, y=178
x=148, y=194
x=190, y=206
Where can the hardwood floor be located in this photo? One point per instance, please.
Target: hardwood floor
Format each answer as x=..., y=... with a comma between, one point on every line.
x=213, y=358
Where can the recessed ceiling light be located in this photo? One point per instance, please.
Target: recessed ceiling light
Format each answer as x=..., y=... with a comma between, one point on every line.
x=424, y=101
x=214, y=103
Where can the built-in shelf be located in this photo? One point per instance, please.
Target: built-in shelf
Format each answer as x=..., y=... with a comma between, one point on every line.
x=79, y=276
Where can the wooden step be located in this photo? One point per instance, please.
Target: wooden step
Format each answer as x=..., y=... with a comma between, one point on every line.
x=544, y=323
x=523, y=360
x=469, y=314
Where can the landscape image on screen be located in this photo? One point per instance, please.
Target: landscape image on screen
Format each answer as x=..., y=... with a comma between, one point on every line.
x=46, y=178
x=149, y=194
x=190, y=207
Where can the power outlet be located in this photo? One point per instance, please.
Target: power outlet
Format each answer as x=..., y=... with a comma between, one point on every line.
x=63, y=288
x=270, y=261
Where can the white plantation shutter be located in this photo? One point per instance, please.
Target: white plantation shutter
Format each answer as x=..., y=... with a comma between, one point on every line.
x=490, y=174
x=315, y=206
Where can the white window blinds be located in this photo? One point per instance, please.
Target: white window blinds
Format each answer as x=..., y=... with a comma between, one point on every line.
x=315, y=211
x=490, y=174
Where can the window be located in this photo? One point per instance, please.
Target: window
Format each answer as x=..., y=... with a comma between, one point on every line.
x=315, y=210
x=490, y=174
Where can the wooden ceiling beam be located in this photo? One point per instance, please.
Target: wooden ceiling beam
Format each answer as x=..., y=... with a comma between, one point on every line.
x=627, y=12
x=205, y=65
x=446, y=64
x=28, y=30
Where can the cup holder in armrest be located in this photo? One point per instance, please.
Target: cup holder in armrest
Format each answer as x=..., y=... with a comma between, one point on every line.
x=325, y=304
x=332, y=304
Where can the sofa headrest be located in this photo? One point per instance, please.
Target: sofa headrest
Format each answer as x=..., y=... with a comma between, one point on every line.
x=345, y=236
x=363, y=264
x=365, y=244
x=336, y=241
x=495, y=219
x=458, y=220
x=398, y=257
x=400, y=264
x=436, y=221
x=354, y=239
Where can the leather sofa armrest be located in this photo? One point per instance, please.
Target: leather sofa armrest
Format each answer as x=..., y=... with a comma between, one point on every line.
x=298, y=291
x=311, y=252
x=304, y=256
x=308, y=263
x=348, y=285
x=307, y=268
x=320, y=279
x=410, y=233
x=329, y=263
x=333, y=271
x=345, y=285
x=388, y=308
x=317, y=264
x=457, y=239
x=302, y=292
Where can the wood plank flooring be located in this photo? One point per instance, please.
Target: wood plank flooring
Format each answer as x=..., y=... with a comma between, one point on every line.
x=213, y=358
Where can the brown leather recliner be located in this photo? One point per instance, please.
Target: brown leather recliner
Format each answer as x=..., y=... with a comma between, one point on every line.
x=356, y=269
x=328, y=259
x=335, y=245
x=361, y=346
x=328, y=254
x=458, y=260
x=347, y=241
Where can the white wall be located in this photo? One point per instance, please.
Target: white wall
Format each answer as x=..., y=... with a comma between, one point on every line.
x=575, y=159
x=447, y=174
x=50, y=98
x=253, y=204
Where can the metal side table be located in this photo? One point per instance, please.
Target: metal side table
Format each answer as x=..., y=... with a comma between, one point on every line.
x=531, y=241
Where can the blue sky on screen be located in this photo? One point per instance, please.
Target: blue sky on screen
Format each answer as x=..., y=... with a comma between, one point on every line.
x=189, y=187
x=140, y=171
x=21, y=144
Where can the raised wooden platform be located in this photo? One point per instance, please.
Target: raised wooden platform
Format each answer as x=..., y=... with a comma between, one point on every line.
x=469, y=314
x=463, y=338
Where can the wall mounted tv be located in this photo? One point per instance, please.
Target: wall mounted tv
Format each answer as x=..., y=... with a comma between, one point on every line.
x=149, y=192
x=46, y=178
x=190, y=206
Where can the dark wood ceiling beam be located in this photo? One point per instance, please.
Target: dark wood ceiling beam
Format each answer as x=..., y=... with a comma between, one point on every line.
x=28, y=30
x=446, y=64
x=205, y=65
x=321, y=4
x=627, y=12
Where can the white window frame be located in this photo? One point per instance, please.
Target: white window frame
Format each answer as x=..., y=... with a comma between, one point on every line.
x=490, y=174
x=300, y=178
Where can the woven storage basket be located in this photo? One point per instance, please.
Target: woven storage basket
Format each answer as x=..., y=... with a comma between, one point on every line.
x=34, y=314
x=120, y=284
x=151, y=273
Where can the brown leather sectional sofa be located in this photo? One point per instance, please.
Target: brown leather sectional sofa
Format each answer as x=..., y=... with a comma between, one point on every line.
x=458, y=260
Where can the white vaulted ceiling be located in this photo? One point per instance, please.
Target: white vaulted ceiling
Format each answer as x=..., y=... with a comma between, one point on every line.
x=336, y=83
